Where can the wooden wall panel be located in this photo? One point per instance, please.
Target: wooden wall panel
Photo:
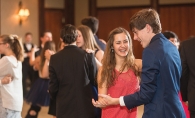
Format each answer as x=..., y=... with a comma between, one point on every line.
x=53, y=23
x=192, y=21
x=110, y=18
x=179, y=19
x=41, y=18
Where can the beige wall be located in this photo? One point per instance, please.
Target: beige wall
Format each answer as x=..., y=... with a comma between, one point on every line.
x=10, y=19
x=114, y=3
x=58, y=4
x=81, y=8
x=81, y=11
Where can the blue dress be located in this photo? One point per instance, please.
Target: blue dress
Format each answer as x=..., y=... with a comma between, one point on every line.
x=38, y=94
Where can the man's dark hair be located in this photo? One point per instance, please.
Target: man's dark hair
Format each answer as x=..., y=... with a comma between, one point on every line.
x=68, y=34
x=43, y=34
x=92, y=23
x=170, y=34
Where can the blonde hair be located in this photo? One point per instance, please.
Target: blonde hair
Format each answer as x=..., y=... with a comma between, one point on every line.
x=88, y=37
x=15, y=45
x=108, y=74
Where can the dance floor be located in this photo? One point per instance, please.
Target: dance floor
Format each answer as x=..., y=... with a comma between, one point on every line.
x=44, y=110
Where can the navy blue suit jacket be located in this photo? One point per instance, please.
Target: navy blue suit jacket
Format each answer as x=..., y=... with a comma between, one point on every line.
x=159, y=86
x=100, y=44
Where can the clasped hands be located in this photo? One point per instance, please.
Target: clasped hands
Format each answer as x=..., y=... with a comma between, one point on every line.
x=104, y=101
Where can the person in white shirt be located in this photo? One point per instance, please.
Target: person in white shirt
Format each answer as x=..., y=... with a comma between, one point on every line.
x=11, y=94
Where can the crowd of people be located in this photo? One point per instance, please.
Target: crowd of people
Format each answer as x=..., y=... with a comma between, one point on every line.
x=90, y=78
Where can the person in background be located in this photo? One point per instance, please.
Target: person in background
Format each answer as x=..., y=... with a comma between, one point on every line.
x=11, y=95
x=45, y=36
x=35, y=52
x=119, y=74
x=161, y=71
x=27, y=69
x=38, y=95
x=86, y=40
x=188, y=74
x=61, y=45
x=71, y=78
x=93, y=24
x=171, y=36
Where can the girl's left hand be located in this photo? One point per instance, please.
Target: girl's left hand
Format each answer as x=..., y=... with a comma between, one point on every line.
x=89, y=50
x=48, y=54
x=97, y=104
x=7, y=79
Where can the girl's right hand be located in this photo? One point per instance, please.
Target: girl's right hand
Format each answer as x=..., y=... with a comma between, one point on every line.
x=7, y=79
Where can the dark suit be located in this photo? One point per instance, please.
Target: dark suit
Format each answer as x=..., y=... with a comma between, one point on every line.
x=72, y=71
x=27, y=70
x=187, y=53
x=160, y=78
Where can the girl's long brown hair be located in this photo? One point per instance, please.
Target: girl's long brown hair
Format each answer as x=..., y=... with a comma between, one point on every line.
x=108, y=74
x=88, y=37
x=48, y=45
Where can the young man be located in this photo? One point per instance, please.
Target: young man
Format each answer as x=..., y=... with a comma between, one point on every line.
x=71, y=79
x=27, y=69
x=45, y=36
x=161, y=71
x=93, y=24
x=171, y=36
x=188, y=74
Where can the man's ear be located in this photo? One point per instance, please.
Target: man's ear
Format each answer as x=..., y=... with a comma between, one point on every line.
x=148, y=28
x=61, y=39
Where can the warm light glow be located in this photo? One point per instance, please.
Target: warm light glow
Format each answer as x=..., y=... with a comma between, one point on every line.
x=24, y=12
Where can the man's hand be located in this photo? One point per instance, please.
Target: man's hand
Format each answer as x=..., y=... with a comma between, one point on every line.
x=48, y=54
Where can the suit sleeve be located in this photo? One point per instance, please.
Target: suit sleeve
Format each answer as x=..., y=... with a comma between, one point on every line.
x=185, y=74
x=53, y=83
x=148, y=85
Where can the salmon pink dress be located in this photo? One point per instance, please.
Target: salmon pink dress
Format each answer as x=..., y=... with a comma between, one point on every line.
x=125, y=83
